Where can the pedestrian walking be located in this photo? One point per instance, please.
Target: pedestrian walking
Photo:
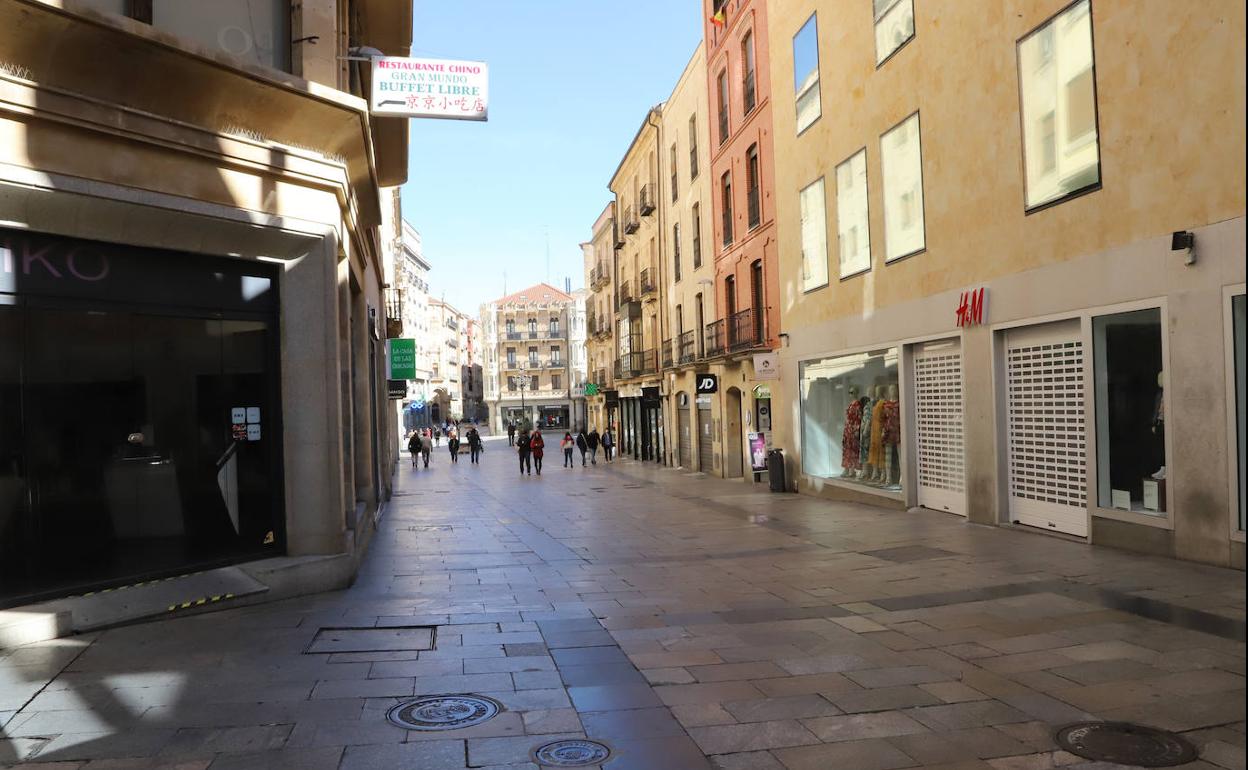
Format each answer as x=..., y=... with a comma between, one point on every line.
x=592, y=440
x=413, y=446
x=567, y=445
x=537, y=445
x=437, y=437
x=452, y=443
x=511, y=434
x=425, y=446
x=582, y=445
x=474, y=445
x=608, y=443
x=524, y=450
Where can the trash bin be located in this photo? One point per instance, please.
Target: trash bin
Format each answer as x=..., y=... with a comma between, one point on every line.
x=775, y=470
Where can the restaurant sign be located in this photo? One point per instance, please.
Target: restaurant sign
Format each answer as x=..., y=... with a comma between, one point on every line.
x=430, y=88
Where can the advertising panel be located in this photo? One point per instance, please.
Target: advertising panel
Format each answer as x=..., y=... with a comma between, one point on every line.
x=430, y=88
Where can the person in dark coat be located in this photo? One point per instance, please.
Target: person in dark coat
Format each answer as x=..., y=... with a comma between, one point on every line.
x=524, y=450
x=511, y=434
x=537, y=445
x=474, y=445
x=592, y=440
x=582, y=445
x=608, y=443
x=452, y=443
x=413, y=446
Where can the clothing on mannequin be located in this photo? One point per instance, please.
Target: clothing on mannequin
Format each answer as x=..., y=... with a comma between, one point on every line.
x=1159, y=425
x=851, y=436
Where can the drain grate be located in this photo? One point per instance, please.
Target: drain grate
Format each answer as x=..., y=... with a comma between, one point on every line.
x=444, y=712
x=572, y=753
x=1125, y=744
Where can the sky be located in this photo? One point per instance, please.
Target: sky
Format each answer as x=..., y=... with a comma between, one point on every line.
x=570, y=83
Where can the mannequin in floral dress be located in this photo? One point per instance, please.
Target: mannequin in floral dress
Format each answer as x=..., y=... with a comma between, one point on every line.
x=851, y=436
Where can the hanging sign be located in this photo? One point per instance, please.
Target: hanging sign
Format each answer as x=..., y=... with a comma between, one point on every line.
x=430, y=88
x=766, y=366
x=971, y=307
x=708, y=383
x=396, y=390
x=402, y=356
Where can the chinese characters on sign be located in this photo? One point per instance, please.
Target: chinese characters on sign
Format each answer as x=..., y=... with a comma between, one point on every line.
x=971, y=307
x=430, y=88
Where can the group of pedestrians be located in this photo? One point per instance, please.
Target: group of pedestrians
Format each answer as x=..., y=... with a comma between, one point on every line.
x=421, y=442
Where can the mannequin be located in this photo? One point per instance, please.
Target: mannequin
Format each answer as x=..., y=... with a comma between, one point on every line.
x=864, y=435
x=851, y=435
x=876, y=453
x=1159, y=425
x=890, y=431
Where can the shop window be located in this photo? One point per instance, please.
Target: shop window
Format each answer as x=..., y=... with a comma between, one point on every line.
x=814, y=236
x=1237, y=313
x=257, y=31
x=852, y=224
x=806, y=74
x=902, y=162
x=894, y=26
x=1057, y=86
x=1130, y=412
x=851, y=419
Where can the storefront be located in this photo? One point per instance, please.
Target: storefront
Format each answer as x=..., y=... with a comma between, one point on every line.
x=140, y=429
x=641, y=426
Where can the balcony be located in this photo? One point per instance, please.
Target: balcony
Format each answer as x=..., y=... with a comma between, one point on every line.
x=687, y=347
x=649, y=361
x=668, y=354
x=748, y=95
x=628, y=366
x=631, y=223
x=715, y=339
x=617, y=238
x=394, y=313
x=747, y=329
x=626, y=293
x=514, y=335
x=599, y=276
x=647, y=199
x=600, y=378
x=552, y=364
x=648, y=284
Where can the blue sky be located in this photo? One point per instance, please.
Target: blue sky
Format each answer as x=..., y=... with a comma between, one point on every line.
x=570, y=82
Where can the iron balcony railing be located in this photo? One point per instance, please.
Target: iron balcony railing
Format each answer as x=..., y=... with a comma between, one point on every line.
x=631, y=223
x=747, y=329
x=514, y=335
x=600, y=378
x=394, y=313
x=668, y=356
x=629, y=365
x=649, y=361
x=647, y=199
x=715, y=339
x=686, y=347
x=626, y=293
x=648, y=285
x=748, y=93
x=617, y=237
x=553, y=364
x=753, y=208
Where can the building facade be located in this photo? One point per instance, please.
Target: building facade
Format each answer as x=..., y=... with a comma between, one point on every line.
x=639, y=290
x=411, y=292
x=1023, y=302
x=453, y=335
x=602, y=399
x=212, y=268
x=528, y=370
x=745, y=319
x=690, y=274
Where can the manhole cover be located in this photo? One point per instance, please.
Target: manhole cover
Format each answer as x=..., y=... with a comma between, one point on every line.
x=572, y=753
x=444, y=712
x=1125, y=744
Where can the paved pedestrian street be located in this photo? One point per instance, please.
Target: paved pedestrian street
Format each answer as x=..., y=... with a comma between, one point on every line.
x=684, y=621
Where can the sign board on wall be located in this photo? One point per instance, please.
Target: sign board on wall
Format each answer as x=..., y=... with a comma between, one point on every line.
x=766, y=366
x=402, y=356
x=707, y=383
x=430, y=88
x=758, y=451
x=971, y=306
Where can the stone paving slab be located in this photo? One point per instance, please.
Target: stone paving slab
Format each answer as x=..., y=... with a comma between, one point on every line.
x=686, y=621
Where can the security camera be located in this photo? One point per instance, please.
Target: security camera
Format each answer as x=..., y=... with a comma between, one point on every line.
x=1184, y=240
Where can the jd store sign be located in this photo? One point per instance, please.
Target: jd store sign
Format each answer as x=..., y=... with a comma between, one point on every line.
x=707, y=383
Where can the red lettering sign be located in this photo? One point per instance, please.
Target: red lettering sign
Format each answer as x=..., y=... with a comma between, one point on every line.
x=971, y=307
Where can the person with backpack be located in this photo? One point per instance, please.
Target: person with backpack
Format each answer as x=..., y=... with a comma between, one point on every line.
x=413, y=446
x=452, y=443
x=566, y=445
x=524, y=450
x=474, y=445
x=592, y=440
x=537, y=445
x=582, y=445
x=608, y=443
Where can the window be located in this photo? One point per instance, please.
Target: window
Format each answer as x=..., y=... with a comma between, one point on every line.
x=1130, y=411
x=532, y=356
x=852, y=222
x=556, y=382
x=676, y=250
x=532, y=327
x=814, y=236
x=556, y=355
x=902, y=161
x=535, y=382
x=511, y=326
x=693, y=147
x=697, y=236
x=747, y=72
x=511, y=357
x=894, y=26
x=673, y=178
x=1056, y=75
x=851, y=418
x=806, y=74
x=752, y=197
x=725, y=194
x=722, y=90
x=554, y=327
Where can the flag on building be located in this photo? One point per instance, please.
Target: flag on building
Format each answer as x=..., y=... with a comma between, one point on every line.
x=719, y=19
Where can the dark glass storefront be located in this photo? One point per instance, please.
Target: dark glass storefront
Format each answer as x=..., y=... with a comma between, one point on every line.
x=641, y=426
x=139, y=429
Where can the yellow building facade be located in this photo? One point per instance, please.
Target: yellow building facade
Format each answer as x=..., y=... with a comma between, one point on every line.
x=599, y=262
x=1012, y=263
